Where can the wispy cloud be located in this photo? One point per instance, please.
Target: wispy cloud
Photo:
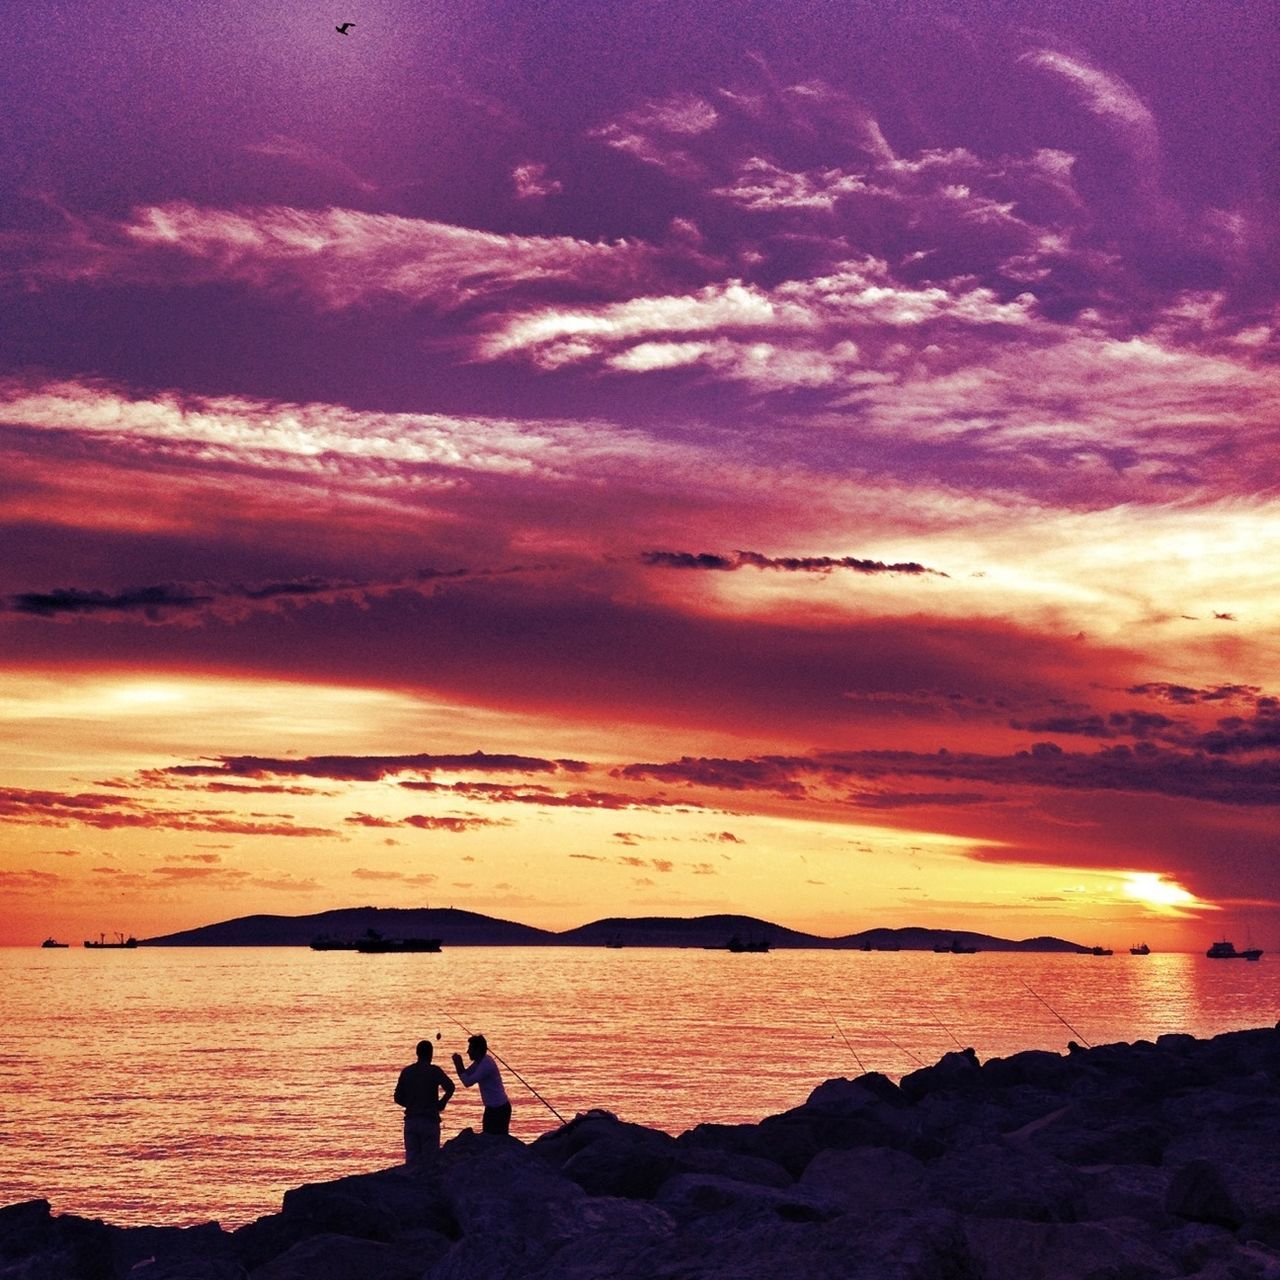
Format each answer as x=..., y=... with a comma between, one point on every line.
x=335, y=258
x=785, y=564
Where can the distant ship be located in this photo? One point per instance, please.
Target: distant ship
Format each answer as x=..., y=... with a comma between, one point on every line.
x=49, y=942
x=1226, y=951
x=750, y=944
x=1140, y=950
x=956, y=948
x=371, y=942
x=1101, y=951
x=121, y=944
x=381, y=946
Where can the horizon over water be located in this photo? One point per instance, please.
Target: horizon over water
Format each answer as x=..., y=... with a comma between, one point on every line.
x=179, y=1085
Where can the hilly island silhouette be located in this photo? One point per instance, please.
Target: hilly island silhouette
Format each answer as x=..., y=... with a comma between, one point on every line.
x=458, y=928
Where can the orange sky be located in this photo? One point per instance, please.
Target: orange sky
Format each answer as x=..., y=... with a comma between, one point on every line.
x=826, y=472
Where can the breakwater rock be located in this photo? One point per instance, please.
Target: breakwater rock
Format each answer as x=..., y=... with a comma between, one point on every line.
x=1122, y=1162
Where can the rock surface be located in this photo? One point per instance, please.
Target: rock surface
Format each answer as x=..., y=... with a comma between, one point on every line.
x=1123, y=1162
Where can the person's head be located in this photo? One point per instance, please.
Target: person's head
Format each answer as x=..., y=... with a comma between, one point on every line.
x=424, y=1050
x=477, y=1047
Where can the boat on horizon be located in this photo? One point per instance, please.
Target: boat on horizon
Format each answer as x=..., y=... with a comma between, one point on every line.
x=737, y=944
x=121, y=944
x=1225, y=950
x=956, y=948
x=1100, y=951
x=1140, y=950
x=383, y=946
x=50, y=943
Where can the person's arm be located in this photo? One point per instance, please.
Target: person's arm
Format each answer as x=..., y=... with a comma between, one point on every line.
x=447, y=1087
x=401, y=1099
x=466, y=1074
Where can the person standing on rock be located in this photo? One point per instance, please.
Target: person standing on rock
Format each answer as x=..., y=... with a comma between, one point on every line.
x=484, y=1072
x=423, y=1090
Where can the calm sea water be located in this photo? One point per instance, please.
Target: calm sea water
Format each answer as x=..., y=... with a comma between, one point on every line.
x=182, y=1085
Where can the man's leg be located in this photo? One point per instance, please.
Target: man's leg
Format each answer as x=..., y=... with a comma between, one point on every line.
x=497, y=1119
x=412, y=1144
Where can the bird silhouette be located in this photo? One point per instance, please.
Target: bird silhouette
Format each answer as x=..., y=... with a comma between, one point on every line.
x=346, y=26
x=1224, y=617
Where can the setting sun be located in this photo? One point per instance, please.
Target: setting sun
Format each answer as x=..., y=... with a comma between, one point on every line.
x=1155, y=891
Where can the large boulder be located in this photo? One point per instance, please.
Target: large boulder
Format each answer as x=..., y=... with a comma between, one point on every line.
x=35, y=1245
x=867, y=1180
x=997, y=1181
x=1199, y=1192
x=609, y=1157
x=585, y=1238
x=336, y=1257
x=1124, y=1191
x=790, y=1141
x=688, y=1196
x=842, y=1096
x=925, y=1245
x=953, y=1072
x=372, y=1206
x=1115, y=1249
x=1037, y=1067
x=155, y=1250
x=744, y=1168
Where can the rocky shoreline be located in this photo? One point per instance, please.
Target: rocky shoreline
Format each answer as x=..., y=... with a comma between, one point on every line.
x=1122, y=1162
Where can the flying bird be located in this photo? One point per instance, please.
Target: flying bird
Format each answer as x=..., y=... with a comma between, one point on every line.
x=1224, y=617
x=346, y=26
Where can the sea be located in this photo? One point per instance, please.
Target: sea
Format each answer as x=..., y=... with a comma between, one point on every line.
x=185, y=1085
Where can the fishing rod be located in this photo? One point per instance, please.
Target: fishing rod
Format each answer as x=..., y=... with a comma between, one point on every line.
x=948, y=1030
x=843, y=1037
x=1055, y=1013
x=902, y=1048
x=513, y=1071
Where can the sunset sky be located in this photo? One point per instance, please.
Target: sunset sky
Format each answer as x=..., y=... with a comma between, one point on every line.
x=575, y=459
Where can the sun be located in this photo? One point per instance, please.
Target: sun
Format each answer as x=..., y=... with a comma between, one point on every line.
x=1154, y=890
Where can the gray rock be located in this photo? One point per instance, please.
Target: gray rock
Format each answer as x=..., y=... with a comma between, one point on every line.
x=1115, y=1249
x=767, y=1173
x=621, y=1167
x=583, y=1237
x=928, y=1245
x=1038, y=1067
x=867, y=1180
x=996, y=1181
x=688, y=1196
x=36, y=1244
x=369, y=1206
x=1124, y=1191
x=1199, y=1192
x=190, y=1268
x=847, y=1096
x=952, y=1072
x=25, y=1227
x=154, y=1250
x=336, y=1257
x=790, y=1141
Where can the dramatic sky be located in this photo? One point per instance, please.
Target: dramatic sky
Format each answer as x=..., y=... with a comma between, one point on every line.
x=597, y=457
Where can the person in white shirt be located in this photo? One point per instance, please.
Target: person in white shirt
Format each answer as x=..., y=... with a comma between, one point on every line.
x=484, y=1072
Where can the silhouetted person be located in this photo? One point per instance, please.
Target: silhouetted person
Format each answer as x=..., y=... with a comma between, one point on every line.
x=484, y=1072
x=423, y=1090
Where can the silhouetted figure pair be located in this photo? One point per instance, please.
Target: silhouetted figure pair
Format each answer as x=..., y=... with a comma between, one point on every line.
x=423, y=1090
x=484, y=1072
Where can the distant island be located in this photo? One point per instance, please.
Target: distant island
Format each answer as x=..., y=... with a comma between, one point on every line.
x=457, y=928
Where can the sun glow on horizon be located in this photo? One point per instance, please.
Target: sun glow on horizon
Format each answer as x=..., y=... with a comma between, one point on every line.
x=1153, y=890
